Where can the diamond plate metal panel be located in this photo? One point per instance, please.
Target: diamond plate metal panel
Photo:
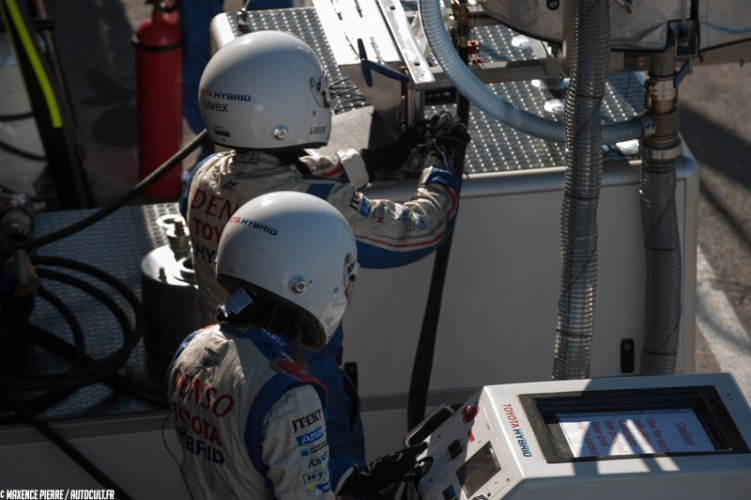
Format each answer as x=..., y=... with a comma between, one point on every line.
x=494, y=147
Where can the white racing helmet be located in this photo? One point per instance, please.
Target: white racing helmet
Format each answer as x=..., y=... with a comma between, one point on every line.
x=295, y=249
x=265, y=90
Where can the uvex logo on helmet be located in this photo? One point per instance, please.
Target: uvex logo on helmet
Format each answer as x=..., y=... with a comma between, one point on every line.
x=318, y=129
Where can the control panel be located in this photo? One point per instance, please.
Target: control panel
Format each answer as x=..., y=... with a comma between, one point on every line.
x=683, y=436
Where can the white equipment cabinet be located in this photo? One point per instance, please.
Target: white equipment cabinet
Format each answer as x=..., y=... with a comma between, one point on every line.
x=500, y=301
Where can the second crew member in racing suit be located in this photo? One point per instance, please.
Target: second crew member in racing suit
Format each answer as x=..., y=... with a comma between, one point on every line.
x=250, y=417
x=265, y=96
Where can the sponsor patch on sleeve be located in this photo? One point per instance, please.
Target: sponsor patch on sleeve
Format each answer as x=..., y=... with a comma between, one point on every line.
x=310, y=437
x=365, y=207
x=316, y=448
x=317, y=490
x=316, y=476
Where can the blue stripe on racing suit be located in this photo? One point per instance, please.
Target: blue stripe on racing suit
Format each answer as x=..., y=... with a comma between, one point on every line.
x=373, y=253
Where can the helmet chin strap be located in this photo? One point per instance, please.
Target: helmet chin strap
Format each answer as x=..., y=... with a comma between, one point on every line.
x=299, y=357
x=270, y=322
x=301, y=334
x=290, y=325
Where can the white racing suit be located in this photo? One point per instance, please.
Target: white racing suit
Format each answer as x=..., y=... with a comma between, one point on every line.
x=388, y=234
x=251, y=422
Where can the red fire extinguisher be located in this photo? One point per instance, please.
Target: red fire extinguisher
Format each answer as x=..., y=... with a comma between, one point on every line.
x=159, y=94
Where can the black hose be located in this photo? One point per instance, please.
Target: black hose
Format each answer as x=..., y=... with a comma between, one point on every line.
x=77, y=376
x=51, y=434
x=73, y=323
x=50, y=398
x=15, y=321
x=421, y=371
x=423, y=366
x=17, y=116
x=101, y=369
x=16, y=324
x=100, y=214
x=154, y=394
x=60, y=385
x=20, y=152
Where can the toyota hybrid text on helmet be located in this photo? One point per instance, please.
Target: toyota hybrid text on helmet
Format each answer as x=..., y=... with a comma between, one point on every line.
x=296, y=249
x=265, y=90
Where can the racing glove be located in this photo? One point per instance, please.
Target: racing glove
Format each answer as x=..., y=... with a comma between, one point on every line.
x=393, y=155
x=384, y=471
x=447, y=139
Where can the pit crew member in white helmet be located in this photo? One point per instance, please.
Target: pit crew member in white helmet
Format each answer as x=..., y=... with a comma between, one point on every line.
x=249, y=415
x=264, y=96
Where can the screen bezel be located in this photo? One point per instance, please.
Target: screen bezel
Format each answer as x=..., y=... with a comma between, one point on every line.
x=704, y=401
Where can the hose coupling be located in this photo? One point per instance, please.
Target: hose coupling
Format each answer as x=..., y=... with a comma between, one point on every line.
x=660, y=90
x=661, y=154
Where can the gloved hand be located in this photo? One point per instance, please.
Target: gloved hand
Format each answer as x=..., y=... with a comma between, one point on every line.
x=447, y=137
x=393, y=155
x=384, y=471
x=448, y=131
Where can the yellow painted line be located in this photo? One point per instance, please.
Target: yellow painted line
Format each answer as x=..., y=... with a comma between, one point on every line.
x=36, y=63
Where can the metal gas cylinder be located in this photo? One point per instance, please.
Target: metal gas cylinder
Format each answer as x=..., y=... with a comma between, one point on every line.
x=159, y=56
x=169, y=290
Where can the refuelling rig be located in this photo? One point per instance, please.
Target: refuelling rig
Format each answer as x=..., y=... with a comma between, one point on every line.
x=573, y=259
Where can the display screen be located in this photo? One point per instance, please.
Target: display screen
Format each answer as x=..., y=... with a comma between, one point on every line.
x=623, y=423
x=478, y=470
x=634, y=433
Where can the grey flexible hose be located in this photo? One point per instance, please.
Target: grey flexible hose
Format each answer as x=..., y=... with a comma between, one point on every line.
x=663, y=288
x=589, y=71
